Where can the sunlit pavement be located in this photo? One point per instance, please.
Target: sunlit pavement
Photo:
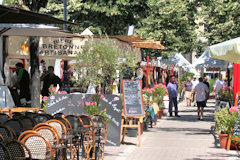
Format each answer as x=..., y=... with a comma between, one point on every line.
x=184, y=138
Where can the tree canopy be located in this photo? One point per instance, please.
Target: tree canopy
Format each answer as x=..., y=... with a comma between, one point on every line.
x=221, y=20
x=173, y=22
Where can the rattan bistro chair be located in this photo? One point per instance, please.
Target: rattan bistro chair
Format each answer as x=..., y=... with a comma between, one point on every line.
x=59, y=126
x=41, y=118
x=88, y=139
x=28, y=122
x=16, y=125
x=39, y=147
x=6, y=132
x=49, y=133
x=100, y=126
x=1, y=138
x=17, y=150
x=4, y=152
x=3, y=118
x=17, y=115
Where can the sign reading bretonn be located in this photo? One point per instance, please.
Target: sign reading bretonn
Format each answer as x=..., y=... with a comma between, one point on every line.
x=132, y=98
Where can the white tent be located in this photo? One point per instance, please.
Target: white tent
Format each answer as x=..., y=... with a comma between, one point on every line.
x=179, y=61
x=205, y=61
x=228, y=50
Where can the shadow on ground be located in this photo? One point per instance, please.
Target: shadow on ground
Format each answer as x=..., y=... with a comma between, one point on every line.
x=191, y=118
x=222, y=155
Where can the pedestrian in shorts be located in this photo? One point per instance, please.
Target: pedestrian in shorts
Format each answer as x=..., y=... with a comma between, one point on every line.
x=201, y=91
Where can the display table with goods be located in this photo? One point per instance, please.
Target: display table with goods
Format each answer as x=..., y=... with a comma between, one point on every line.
x=226, y=96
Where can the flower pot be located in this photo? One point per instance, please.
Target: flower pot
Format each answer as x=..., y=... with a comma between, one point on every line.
x=159, y=114
x=223, y=138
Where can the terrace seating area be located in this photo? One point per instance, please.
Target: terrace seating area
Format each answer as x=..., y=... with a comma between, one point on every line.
x=37, y=135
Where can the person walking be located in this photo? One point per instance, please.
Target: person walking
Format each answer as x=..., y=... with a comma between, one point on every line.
x=195, y=83
x=172, y=91
x=219, y=83
x=205, y=81
x=202, y=92
x=188, y=87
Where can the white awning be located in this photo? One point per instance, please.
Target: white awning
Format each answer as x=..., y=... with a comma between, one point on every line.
x=228, y=50
x=205, y=61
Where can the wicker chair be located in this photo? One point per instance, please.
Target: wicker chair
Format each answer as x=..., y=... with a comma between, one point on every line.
x=39, y=147
x=18, y=149
x=3, y=118
x=28, y=122
x=76, y=127
x=66, y=123
x=16, y=125
x=4, y=152
x=6, y=132
x=59, y=126
x=100, y=126
x=74, y=121
x=59, y=115
x=49, y=133
x=1, y=138
x=41, y=118
x=31, y=114
x=17, y=115
x=25, y=133
x=88, y=140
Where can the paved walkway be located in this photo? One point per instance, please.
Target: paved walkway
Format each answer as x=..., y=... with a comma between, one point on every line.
x=184, y=138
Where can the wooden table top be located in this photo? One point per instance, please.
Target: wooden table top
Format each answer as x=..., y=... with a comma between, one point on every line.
x=19, y=109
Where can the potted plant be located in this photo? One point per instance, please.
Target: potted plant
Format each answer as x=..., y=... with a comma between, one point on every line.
x=226, y=94
x=158, y=92
x=224, y=121
x=94, y=107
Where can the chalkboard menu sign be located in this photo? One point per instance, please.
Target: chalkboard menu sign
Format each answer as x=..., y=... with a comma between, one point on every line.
x=132, y=98
x=74, y=104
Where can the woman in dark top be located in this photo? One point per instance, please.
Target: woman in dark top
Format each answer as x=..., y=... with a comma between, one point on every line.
x=49, y=78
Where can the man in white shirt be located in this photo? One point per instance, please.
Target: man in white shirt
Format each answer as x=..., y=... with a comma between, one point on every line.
x=202, y=92
x=219, y=83
x=195, y=83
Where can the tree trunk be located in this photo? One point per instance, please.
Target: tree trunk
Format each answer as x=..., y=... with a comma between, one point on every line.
x=35, y=74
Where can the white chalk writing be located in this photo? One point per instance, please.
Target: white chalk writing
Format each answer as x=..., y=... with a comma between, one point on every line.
x=59, y=99
x=112, y=143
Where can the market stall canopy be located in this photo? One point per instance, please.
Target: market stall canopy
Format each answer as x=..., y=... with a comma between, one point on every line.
x=205, y=61
x=228, y=50
x=136, y=41
x=179, y=61
x=151, y=44
x=31, y=31
x=17, y=15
